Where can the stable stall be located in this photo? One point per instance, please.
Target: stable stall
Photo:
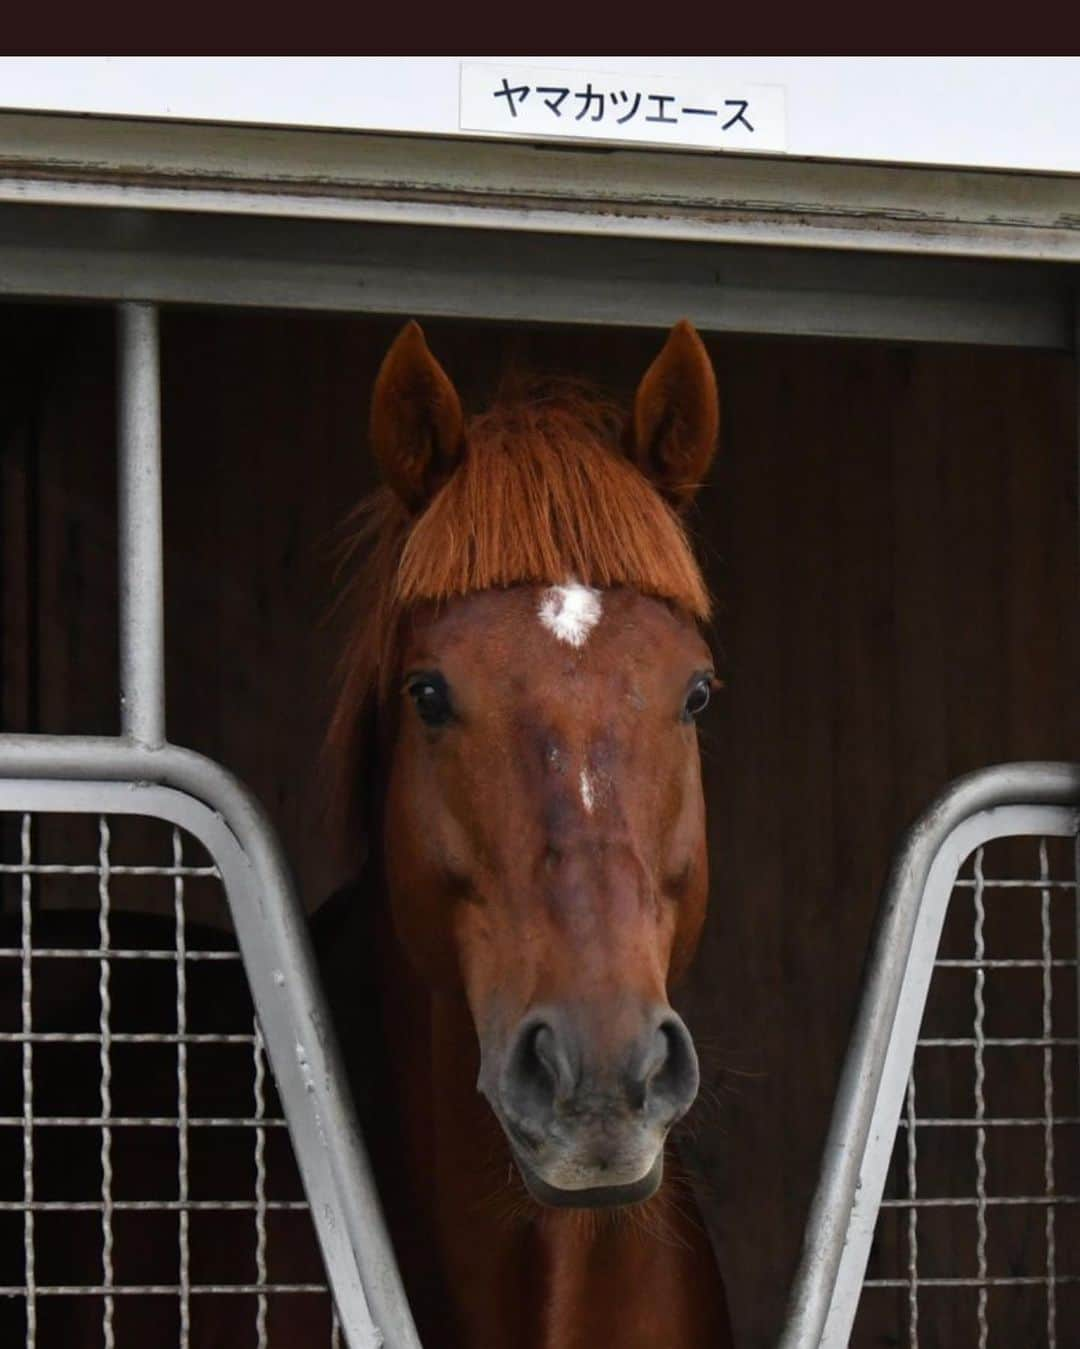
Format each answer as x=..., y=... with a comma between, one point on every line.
x=890, y=531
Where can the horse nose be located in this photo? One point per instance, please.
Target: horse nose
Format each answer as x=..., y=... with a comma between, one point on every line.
x=549, y=1069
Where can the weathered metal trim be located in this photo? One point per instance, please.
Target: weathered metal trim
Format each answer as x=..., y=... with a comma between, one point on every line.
x=51, y=159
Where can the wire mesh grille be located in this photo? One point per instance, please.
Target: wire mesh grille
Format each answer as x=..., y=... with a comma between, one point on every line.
x=978, y=1237
x=148, y=1190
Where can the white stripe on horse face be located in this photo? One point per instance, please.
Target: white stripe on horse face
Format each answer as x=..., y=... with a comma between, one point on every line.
x=586, y=792
x=570, y=612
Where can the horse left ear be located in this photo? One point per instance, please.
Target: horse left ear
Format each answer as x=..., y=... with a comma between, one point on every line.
x=677, y=416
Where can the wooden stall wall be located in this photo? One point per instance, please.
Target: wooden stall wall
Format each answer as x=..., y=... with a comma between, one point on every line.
x=891, y=535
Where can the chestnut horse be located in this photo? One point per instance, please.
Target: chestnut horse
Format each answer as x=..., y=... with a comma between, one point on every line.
x=517, y=723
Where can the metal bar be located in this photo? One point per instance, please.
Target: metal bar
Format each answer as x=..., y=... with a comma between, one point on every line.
x=105, y=1059
x=146, y=1122
x=142, y=613
x=1057, y=963
x=155, y=1206
x=60, y=869
x=28, y=1095
x=980, y=1100
x=913, y=1219
x=1000, y=1281
x=261, y=1277
x=1051, y=784
x=968, y=883
x=169, y=1289
x=996, y=1041
x=182, y=1041
x=120, y=1037
x=85, y=952
x=992, y=1121
x=1048, y=1100
x=96, y=774
x=992, y=1200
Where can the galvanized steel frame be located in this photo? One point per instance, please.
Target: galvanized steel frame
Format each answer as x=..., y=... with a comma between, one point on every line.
x=1016, y=798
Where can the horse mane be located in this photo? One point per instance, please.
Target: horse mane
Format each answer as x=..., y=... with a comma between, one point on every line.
x=544, y=492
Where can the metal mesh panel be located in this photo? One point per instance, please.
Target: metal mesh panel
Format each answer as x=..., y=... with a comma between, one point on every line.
x=978, y=1237
x=148, y=1191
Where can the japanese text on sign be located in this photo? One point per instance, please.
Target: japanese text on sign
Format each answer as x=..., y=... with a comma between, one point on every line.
x=667, y=111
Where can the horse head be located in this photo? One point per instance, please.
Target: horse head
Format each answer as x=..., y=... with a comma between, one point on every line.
x=532, y=643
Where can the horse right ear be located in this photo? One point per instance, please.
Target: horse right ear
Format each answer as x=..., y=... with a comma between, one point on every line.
x=417, y=426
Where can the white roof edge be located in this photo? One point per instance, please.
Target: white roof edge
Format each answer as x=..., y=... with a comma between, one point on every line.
x=979, y=112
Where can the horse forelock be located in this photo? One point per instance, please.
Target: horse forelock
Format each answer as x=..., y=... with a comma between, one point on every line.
x=544, y=493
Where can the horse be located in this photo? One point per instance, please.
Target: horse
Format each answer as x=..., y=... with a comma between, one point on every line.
x=514, y=745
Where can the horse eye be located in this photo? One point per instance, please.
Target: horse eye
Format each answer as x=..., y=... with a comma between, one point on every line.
x=431, y=696
x=697, y=700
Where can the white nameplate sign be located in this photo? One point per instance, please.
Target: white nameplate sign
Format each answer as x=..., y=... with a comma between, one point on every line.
x=649, y=110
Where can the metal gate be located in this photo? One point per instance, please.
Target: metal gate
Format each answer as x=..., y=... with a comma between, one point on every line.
x=952, y=1160
x=214, y=835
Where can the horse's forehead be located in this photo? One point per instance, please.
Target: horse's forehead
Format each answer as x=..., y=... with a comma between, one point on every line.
x=567, y=628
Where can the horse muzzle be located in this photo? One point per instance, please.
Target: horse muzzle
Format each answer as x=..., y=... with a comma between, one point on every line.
x=587, y=1124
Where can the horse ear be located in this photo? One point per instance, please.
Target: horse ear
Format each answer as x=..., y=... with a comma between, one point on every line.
x=417, y=426
x=677, y=416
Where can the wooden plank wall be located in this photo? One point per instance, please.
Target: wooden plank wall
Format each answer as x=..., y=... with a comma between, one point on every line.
x=891, y=532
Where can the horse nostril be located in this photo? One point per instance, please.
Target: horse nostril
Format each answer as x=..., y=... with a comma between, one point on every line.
x=539, y=1071
x=670, y=1079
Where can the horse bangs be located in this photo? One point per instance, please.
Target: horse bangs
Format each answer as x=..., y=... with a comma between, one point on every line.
x=544, y=494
